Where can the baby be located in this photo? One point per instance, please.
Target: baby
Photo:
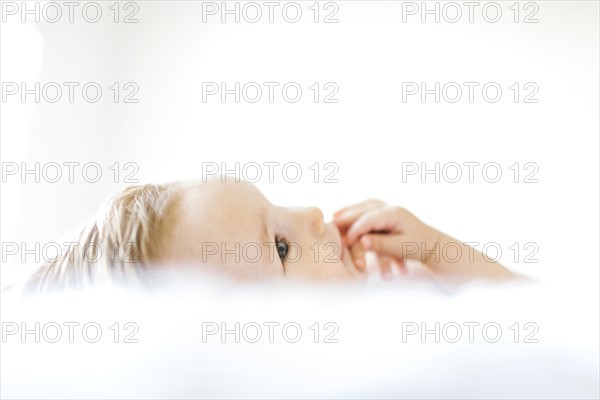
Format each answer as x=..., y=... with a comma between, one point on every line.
x=230, y=228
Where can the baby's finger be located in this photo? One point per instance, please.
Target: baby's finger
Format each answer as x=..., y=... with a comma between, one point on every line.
x=385, y=266
x=384, y=244
x=382, y=219
x=346, y=216
x=369, y=202
x=400, y=266
x=358, y=256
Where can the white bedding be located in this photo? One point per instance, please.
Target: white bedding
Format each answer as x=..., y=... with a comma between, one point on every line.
x=371, y=359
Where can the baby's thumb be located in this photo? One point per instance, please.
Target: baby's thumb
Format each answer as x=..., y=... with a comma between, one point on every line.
x=384, y=244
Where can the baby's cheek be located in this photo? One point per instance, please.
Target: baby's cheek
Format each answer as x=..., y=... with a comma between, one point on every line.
x=343, y=269
x=323, y=270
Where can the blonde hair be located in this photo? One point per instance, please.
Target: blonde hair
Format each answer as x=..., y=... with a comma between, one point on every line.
x=120, y=240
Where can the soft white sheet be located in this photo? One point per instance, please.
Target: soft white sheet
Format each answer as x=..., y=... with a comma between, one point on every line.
x=370, y=360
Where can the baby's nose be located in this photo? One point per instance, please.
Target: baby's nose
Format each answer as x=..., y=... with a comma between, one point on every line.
x=315, y=218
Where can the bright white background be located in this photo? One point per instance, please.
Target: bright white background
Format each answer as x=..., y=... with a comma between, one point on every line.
x=369, y=133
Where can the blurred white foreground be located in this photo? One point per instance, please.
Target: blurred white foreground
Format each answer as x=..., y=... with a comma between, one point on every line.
x=177, y=322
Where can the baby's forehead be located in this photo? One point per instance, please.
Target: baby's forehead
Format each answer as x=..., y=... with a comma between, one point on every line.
x=230, y=222
x=223, y=211
x=231, y=190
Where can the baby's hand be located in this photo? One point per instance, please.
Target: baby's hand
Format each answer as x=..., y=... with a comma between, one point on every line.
x=375, y=226
x=395, y=234
x=383, y=263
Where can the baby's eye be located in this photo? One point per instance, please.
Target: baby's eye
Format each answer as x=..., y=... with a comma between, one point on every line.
x=282, y=248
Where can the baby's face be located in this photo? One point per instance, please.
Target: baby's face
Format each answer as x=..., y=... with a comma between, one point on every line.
x=231, y=226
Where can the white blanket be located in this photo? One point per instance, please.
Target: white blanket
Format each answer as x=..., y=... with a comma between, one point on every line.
x=180, y=352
